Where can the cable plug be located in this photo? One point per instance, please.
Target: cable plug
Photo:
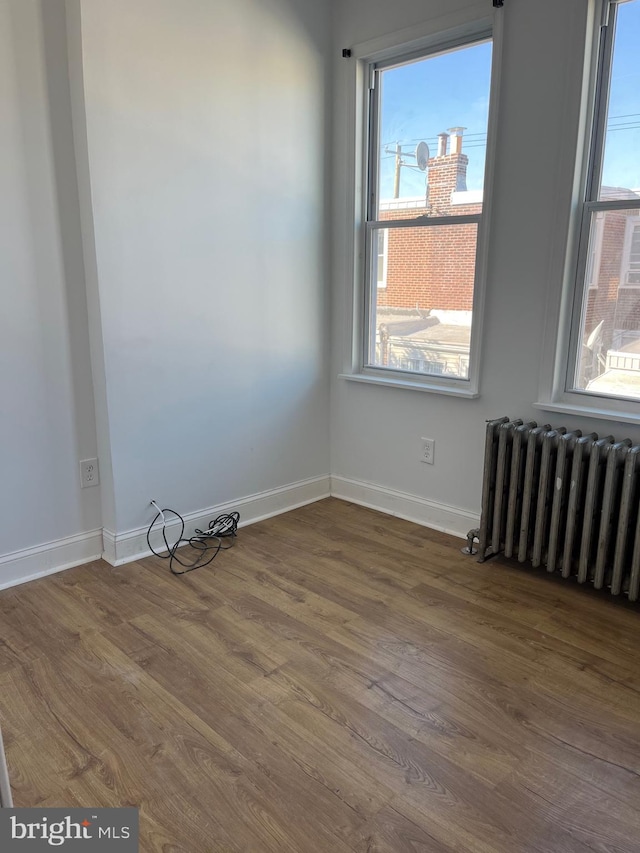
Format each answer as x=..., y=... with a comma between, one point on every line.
x=160, y=512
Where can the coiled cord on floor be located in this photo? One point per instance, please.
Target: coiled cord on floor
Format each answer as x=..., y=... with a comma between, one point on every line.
x=208, y=542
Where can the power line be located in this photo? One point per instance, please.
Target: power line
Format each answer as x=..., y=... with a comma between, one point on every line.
x=431, y=139
x=483, y=134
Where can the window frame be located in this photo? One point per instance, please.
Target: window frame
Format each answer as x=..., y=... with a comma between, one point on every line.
x=381, y=283
x=631, y=226
x=449, y=31
x=594, y=256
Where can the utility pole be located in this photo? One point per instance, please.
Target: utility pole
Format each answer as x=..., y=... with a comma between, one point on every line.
x=399, y=165
x=420, y=155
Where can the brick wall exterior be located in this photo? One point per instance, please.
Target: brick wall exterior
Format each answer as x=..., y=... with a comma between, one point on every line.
x=433, y=268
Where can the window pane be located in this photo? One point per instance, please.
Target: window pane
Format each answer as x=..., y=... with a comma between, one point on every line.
x=621, y=167
x=609, y=353
x=433, y=133
x=421, y=321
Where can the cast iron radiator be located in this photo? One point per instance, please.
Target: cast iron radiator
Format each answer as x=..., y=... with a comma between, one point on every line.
x=563, y=500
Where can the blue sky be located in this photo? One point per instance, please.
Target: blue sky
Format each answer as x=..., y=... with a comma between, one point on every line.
x=427, y=97
x=423, y=98
x=622, y=148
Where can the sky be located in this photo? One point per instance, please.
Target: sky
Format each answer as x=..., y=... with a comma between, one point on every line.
x=424, y=98
x=622, y=146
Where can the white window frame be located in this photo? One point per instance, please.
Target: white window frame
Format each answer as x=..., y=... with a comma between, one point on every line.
x=446, y=32
x=558, y=364
x=381, y=283
x=595, y=253
x=633, y=223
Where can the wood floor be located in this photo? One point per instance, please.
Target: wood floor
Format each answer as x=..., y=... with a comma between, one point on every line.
x=338, y=681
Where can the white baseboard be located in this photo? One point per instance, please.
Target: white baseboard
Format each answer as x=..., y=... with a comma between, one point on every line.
x=31, y=563
x=120, y=548
x=438, y=516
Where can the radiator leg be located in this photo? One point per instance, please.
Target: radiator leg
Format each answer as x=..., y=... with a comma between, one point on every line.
x=471, y=535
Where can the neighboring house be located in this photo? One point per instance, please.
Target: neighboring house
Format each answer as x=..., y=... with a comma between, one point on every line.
x=426, y=275
x=426, y=280
x=612, y=321
x=428, y=268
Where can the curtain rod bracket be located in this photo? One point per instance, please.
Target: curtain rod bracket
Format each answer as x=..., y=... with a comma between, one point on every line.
x=498, y=4
x=346, y=52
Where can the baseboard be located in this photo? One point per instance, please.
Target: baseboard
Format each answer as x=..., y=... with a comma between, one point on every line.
x=31, y=563
x=120, y=548
x=438, y=516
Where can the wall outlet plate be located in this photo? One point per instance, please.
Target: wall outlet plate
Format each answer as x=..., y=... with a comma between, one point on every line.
x=428, y=450
x=89, y=473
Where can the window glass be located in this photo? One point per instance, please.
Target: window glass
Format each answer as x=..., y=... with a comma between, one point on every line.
x=621, y=163
x=428, y=149
x=605, y=359
x=609, y=359
x=410, y=333
x=430, y=110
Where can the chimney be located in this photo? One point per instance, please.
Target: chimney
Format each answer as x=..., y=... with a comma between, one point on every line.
x=447, y=172
x=456, y=139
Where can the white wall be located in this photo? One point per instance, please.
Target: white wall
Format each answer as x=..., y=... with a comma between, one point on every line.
x=164, y=264
x=172, y=237
x=376, y=430
x=204, y=155
x=47, y=422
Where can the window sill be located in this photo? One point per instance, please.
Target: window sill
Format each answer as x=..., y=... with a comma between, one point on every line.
x=589, y=411
x=410, y=385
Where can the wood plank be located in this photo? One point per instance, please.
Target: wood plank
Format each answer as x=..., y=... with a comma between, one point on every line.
x=338, y=681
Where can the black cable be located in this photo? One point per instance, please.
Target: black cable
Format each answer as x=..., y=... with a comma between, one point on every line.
x=225, y=526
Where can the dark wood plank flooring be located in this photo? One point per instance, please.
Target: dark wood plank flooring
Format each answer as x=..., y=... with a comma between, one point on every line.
x=339, y=681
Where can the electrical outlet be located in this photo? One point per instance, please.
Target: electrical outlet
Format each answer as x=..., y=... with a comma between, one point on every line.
x=89, y=474
x=428, y=450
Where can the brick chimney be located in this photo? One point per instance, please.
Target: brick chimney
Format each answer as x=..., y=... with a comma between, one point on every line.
x=447, y=172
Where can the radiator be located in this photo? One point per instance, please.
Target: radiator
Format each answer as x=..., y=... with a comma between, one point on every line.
x=562, y=500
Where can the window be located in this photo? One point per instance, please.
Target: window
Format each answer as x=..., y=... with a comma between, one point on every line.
x=604, y=357
x=630, y=275
x=425, y=155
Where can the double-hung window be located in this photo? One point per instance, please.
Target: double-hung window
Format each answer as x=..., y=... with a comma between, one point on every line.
x=604, y=342
x=425, y=173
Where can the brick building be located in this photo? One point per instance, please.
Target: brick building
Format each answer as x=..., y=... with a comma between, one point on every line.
x=426, y=275
x=432, y=268
x=426, y=279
